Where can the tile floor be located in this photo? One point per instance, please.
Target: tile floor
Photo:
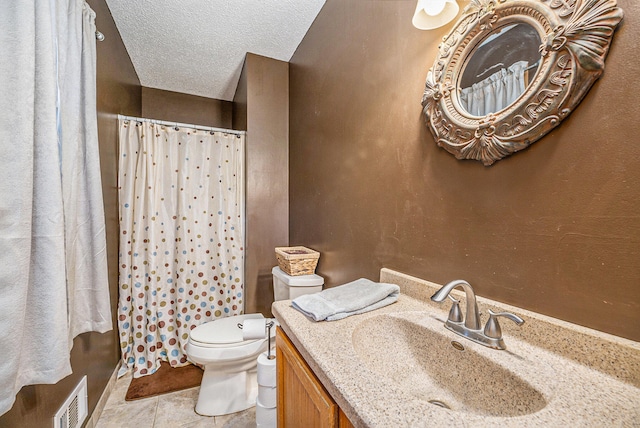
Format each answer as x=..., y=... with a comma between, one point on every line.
x=173, y=410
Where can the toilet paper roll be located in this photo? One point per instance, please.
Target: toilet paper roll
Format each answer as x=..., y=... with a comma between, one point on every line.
x=266, y=371
x=267, y=396
x=254, y=329
x=265, y=417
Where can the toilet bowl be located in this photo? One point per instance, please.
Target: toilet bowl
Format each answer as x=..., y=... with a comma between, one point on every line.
x=229, y=381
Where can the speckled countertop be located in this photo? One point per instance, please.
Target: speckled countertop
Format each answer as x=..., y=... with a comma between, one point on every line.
x=383, y=367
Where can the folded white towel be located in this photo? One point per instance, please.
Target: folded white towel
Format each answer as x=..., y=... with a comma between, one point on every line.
x=359, y=296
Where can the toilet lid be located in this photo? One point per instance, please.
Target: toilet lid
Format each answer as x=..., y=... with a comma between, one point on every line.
x=222, y=331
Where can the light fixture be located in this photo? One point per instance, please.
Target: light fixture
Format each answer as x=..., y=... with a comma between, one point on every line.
x=432, y=14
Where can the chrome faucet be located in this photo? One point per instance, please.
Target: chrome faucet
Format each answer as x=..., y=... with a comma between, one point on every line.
x=491, y=335
x=472, y=318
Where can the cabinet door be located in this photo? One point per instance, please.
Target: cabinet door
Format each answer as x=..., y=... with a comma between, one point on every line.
x=302, y=400
x=343, y=420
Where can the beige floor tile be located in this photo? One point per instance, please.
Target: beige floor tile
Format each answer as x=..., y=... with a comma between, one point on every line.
x=244, y=419
x=174, y=410
x=119, y=391
x=135, y=414
x=203, y=422
x=177, y=409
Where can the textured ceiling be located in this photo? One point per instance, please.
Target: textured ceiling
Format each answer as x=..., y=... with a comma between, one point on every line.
x=198, y=46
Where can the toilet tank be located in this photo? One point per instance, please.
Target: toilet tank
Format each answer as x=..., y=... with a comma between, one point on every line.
x=289, y=287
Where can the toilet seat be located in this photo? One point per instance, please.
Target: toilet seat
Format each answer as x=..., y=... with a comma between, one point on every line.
x=221, y=340
x=223, y=332
x=215, y=345
x=221, y=354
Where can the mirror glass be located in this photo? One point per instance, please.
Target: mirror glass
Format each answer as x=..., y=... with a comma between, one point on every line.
x=499, y=69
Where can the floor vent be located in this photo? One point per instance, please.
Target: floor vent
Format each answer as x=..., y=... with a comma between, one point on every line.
x=74, y=411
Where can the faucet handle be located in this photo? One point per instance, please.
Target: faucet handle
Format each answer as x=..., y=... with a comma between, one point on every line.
x=492, y=328
x=454, y=313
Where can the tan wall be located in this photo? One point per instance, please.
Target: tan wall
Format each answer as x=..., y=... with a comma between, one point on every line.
x=185, y=108
x=240, y=101
x=554, y=229
x=262, y=104
x=95, y=355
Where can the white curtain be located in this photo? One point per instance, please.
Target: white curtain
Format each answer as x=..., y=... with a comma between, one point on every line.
x=181, y=199
x=53, y=281
x=495, y=92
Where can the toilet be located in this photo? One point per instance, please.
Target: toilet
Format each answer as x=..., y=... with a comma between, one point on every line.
x=229, y=383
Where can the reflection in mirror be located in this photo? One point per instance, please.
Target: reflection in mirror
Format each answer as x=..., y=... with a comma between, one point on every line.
x=500, y=69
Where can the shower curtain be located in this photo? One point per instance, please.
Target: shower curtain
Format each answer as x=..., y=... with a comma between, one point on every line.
x=495, y=92
x=53, y=267
x=181, y=201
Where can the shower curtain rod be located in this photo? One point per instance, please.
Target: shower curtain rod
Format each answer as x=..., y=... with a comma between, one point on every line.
x=181, y=125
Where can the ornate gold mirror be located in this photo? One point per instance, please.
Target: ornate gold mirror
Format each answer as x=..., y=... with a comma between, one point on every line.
x=511, y=70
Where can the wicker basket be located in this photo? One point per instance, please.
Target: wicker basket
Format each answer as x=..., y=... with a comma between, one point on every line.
x=297, y=260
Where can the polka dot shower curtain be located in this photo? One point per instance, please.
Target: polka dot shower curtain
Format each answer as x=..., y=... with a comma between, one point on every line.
x=181, y=237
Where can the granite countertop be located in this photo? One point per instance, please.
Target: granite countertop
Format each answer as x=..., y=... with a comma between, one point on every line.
x=570, y=375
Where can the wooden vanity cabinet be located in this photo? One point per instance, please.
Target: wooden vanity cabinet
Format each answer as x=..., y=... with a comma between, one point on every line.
x=302, y=400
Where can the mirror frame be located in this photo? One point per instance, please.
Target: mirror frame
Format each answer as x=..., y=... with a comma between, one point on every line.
x=575, y=35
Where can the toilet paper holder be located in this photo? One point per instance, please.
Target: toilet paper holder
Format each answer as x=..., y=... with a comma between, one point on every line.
x=268, y=325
